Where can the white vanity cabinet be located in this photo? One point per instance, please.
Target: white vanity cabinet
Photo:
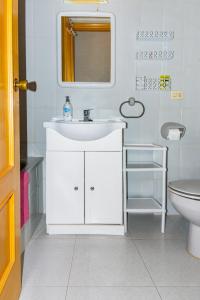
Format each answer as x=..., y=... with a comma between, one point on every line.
x=84, y=188
x=84, y=179
x=103, y=188
x=65, y=187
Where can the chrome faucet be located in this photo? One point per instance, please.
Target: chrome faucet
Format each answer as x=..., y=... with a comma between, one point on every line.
x=86, y=115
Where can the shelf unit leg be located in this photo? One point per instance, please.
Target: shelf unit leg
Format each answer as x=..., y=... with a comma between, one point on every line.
x=125, y=222
x=163, y=222
x=164, y=192
x=125, y=189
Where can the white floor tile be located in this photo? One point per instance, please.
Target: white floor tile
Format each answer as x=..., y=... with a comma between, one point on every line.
x=179, y=293
x=43, y=293
x=104, y=262
x=47, y=262
x=168, y=262
x=40, y=228
x=149, y=227
x=56, y=236
x=100, y=236
x=107, y=267
x=40, y=232
x=112, y=293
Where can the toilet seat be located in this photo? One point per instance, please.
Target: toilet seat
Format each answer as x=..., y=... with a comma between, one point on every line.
x=186, y=188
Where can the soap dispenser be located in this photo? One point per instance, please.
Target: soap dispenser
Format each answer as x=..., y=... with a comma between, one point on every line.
x=67, y=110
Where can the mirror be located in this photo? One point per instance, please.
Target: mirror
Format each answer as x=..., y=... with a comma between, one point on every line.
x=86, y=50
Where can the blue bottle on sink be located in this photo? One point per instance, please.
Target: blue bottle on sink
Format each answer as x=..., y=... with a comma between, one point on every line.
x=67, y=110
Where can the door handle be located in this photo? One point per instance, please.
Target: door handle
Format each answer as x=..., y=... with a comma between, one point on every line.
x=76, y=188
x=24, y=85
x=92, y=188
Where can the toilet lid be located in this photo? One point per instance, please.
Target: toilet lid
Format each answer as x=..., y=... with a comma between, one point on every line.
x=188, y=187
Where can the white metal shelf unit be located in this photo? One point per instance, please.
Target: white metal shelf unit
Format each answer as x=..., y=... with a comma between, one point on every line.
x=141, y=205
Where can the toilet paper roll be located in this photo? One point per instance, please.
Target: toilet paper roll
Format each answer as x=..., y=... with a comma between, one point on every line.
x=174, y=135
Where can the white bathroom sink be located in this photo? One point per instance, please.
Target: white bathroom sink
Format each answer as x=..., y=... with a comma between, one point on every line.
x=85, y=131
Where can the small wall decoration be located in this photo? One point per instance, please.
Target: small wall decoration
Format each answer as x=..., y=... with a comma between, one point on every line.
x=165, y=83
x=157, y=35
x=144, y=83
x=85, y=1
x=155, y=55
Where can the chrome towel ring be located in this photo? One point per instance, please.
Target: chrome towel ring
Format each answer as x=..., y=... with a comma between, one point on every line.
x=132, y=102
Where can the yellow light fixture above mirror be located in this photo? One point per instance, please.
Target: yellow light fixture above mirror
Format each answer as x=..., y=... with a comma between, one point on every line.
x=86, y=1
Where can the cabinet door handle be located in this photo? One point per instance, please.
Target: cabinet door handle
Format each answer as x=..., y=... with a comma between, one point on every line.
x=92, y=188
x=76, y=188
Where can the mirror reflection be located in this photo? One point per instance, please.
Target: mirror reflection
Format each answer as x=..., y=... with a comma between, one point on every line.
x=86, y=49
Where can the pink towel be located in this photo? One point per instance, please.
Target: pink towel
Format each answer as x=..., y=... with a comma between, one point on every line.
x=24, y=180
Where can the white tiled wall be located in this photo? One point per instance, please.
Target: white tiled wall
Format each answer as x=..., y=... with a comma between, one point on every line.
x=182, y=16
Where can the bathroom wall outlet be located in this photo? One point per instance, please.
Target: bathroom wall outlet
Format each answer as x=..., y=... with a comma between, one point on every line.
x=177, y=95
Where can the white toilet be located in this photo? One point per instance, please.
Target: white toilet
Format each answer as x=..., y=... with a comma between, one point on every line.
x=185, y=197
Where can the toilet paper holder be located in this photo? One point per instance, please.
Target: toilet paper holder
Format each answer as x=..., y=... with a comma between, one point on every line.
x=171, y=127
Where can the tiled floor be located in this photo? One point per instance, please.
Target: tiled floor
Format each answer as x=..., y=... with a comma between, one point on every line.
x=145, y=265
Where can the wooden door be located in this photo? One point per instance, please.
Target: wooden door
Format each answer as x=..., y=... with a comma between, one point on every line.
x=10, y=272
x=103, y=188
x=65, y=187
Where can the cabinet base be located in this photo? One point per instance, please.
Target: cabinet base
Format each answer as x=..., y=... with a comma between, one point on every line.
x=86, y=229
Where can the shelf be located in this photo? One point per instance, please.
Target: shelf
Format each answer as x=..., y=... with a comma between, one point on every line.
x=144, y=147
x=143, y=205
x=144, y=166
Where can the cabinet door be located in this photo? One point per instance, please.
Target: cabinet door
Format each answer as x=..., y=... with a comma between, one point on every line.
x=65, y=187
x=103, y=188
